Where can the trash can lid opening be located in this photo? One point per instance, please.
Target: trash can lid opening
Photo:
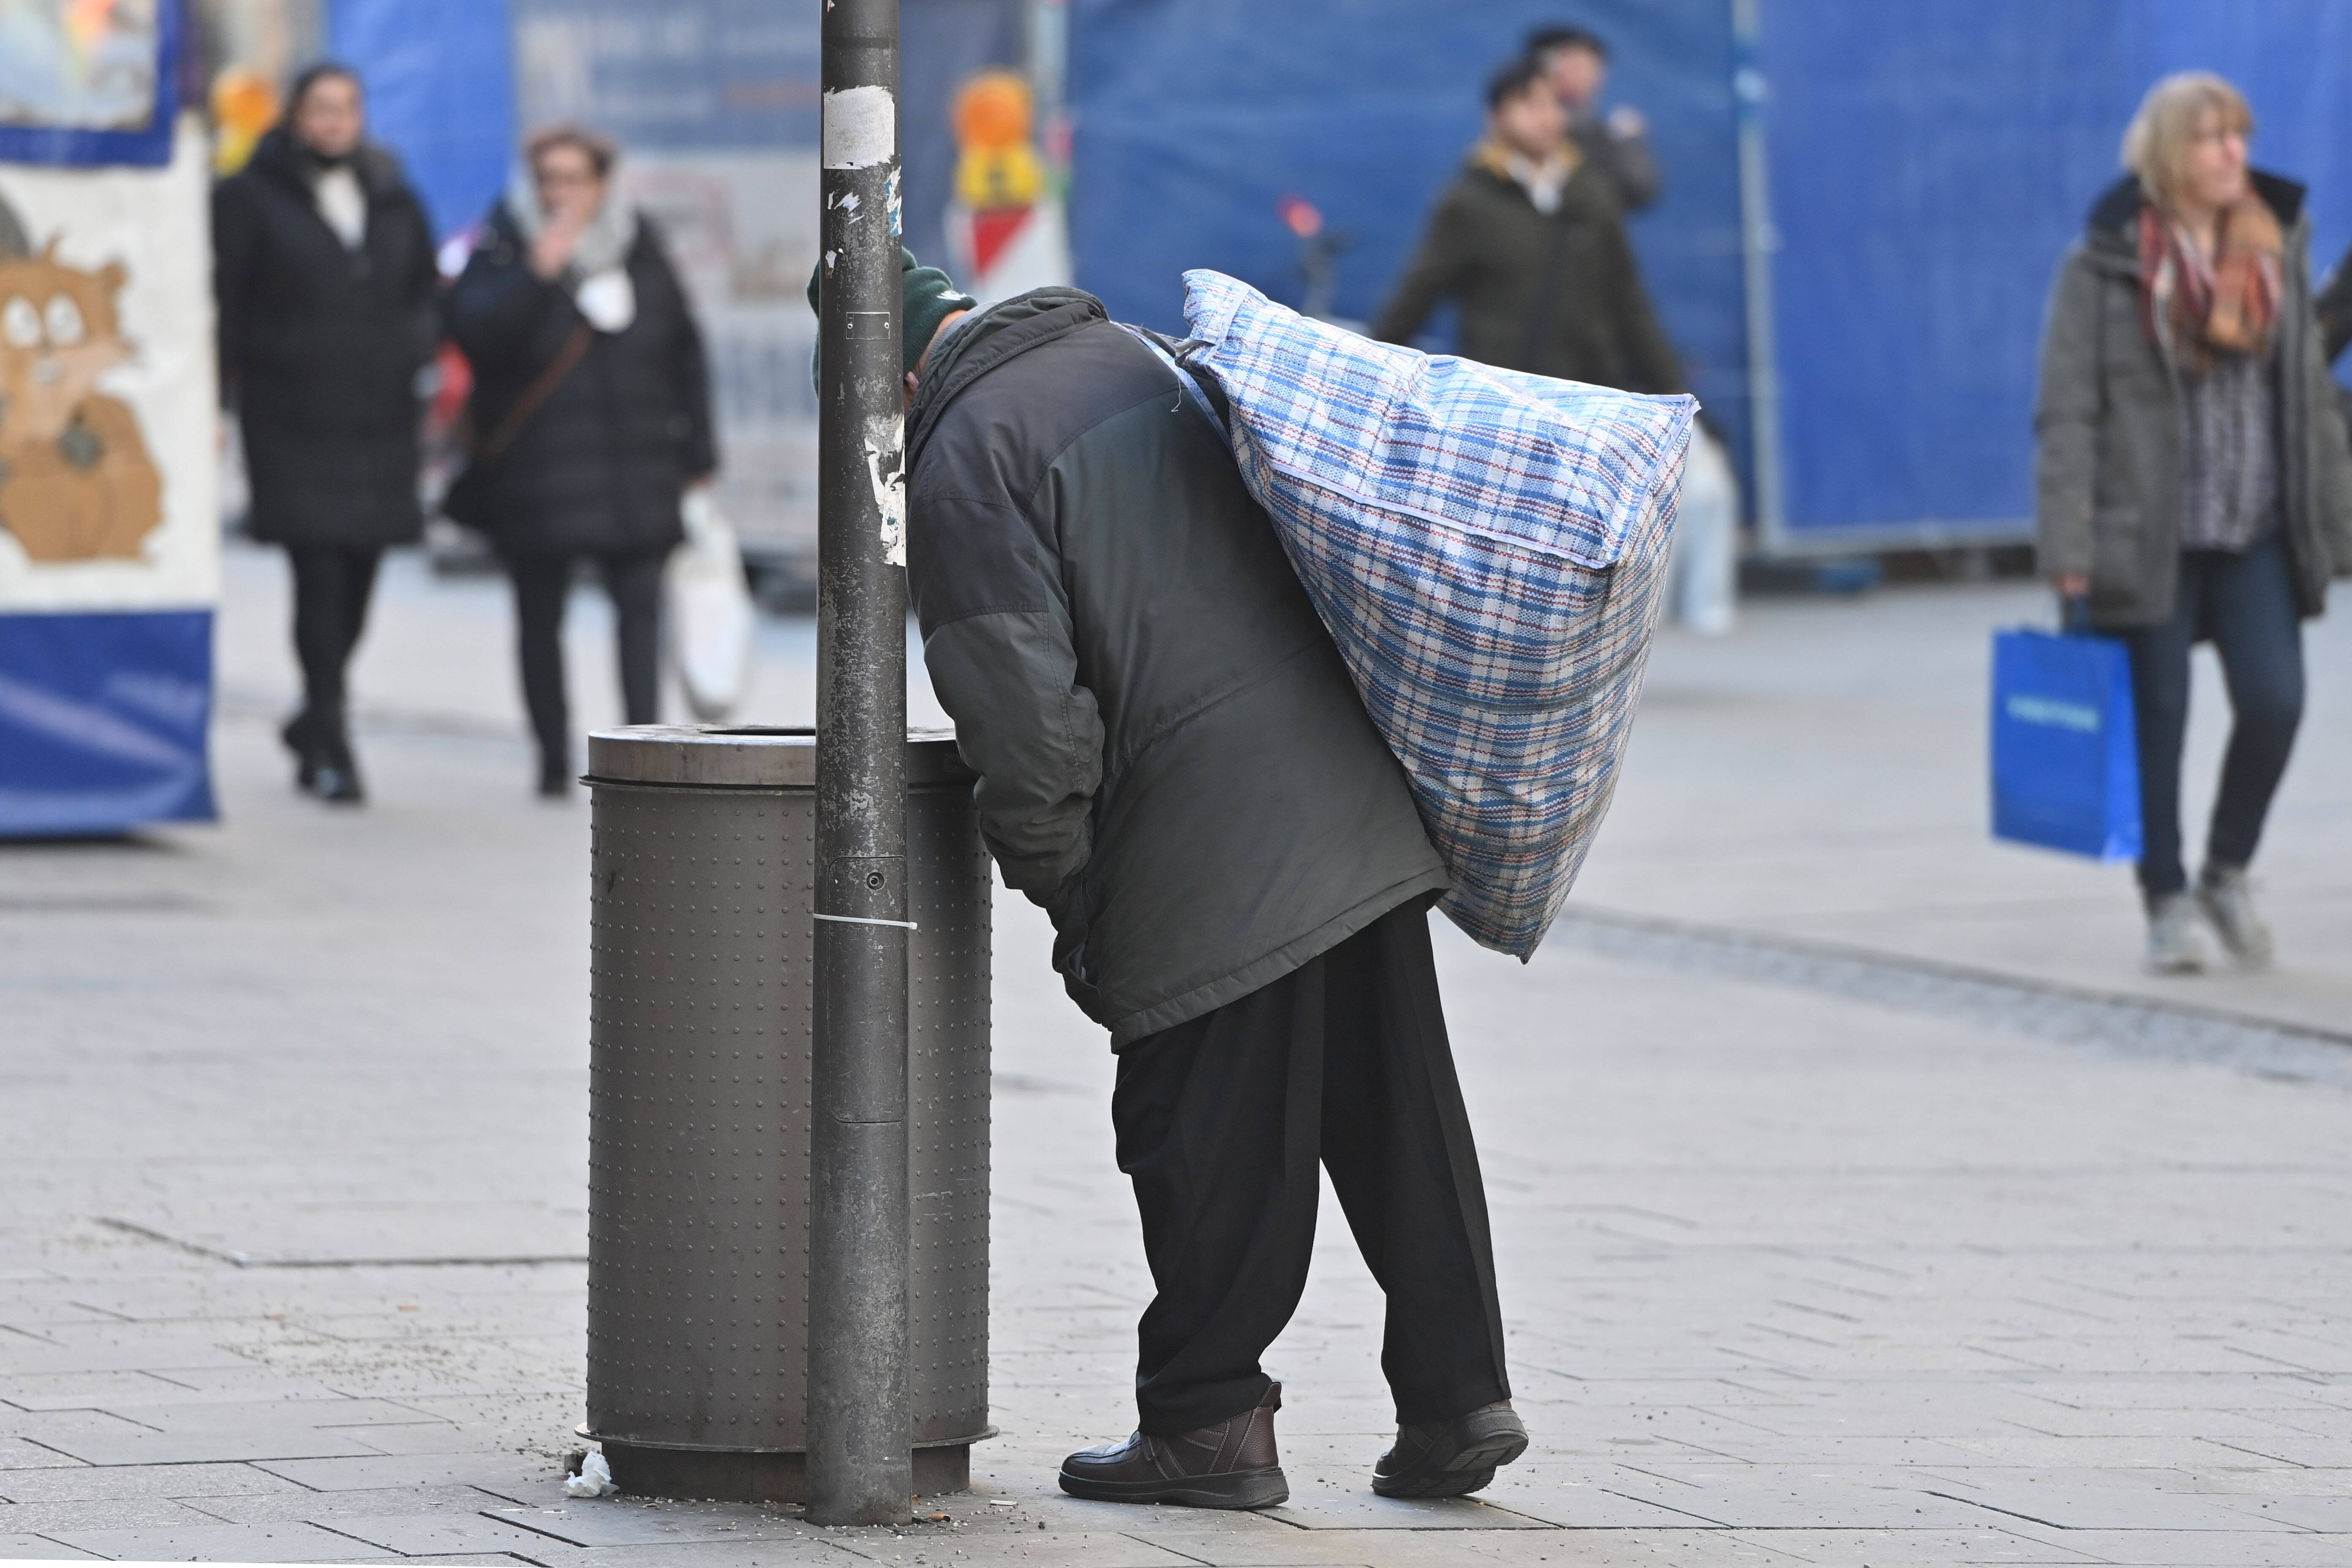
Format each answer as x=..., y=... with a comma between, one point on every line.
x=748, y=756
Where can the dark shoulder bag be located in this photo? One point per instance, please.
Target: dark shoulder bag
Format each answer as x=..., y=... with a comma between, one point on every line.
x=468, y=499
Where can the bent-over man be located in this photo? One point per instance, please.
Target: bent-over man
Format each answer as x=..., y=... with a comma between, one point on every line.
x=1174, y=763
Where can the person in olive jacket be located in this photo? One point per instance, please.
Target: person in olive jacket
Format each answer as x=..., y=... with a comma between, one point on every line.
x=590, y=414
x=1529, y=243
x=1173, y=762
x=2192, y=476
x=324, y=272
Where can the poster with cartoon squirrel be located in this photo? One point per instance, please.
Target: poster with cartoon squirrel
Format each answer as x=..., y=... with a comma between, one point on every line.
x=76, y=482
x=110, y=412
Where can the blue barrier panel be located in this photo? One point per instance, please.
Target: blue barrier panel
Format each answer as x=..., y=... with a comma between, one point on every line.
x=440, y=86
x=102, y=721
x=1193, y=116
x=1929, y=163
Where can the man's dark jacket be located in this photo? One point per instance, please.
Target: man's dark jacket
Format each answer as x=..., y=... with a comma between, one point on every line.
x=320, y=347
x=1173, y=759
x=1557, y=294
x=599, y=467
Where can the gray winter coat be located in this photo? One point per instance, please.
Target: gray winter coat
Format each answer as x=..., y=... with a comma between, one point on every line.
x=2108, y=475
x=1173, y=759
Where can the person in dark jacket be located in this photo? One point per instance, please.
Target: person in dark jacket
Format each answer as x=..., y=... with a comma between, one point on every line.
x=591, y=414
x=324, y=274
x=1112, y=624
x=2192, y=475
x=1530, y=246
x=1576, y=63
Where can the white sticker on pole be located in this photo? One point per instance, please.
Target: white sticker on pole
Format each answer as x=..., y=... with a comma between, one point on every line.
x=861, y=127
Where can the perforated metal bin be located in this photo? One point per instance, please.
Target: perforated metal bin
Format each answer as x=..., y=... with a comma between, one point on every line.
x=703, y=868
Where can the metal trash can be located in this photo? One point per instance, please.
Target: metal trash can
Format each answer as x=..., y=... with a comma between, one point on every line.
x=703, y=873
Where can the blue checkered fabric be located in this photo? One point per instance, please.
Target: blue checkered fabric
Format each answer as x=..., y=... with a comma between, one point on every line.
x=1487, y=549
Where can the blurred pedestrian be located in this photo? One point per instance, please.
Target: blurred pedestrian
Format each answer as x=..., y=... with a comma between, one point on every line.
x=323, y=269
x=1529, y=246
x=2193, y=478
x=591, y=415
x=1576, y=63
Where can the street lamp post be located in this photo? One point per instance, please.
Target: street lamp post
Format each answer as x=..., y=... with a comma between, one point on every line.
x=860, y=1432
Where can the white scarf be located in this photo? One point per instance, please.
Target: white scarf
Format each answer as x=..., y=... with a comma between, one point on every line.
x=598, y=271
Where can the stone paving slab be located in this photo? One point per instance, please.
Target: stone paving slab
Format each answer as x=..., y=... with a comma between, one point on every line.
x=39, y=1549
x=223, y=1543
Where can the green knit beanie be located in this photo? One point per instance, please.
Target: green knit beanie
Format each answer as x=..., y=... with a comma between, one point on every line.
x=927, y=297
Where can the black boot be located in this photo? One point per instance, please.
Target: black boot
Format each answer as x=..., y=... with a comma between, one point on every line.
x=1451, y=1458
x=1230, y=1465
x=324, y=763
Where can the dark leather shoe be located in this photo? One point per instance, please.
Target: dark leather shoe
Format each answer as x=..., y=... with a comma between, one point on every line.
x=1451, y=1458
x=1230, y=1465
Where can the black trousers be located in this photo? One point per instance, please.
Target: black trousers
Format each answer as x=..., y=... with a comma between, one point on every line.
x=2246, y=604
x=541, y=585
x=1221, y=1122
x=333, y=585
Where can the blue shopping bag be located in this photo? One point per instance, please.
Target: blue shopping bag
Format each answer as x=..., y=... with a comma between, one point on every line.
x=2065, y=766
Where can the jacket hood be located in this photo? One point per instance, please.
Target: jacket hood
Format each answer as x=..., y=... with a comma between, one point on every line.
x=2117, y=209
x=999, y=333
x=277, y=156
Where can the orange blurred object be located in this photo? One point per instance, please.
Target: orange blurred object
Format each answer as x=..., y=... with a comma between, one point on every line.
x=992, y=111
x=244, y=105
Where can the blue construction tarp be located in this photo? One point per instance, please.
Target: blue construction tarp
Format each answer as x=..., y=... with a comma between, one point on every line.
x=440, y=84
x=1929, y=163
x=1194, y=117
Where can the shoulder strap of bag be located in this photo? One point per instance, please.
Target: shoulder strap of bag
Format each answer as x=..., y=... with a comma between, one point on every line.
x=1180, y=354
x=567, y=358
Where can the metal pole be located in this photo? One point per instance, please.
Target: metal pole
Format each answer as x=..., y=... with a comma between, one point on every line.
x=860, y=1466
x=1757, y=240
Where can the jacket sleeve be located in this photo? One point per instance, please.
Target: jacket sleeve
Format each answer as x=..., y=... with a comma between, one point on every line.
x=1436, y=271
x=1025, y=722
x=2065, y=422
x=1632, y=169
x=493, y=312
x=2330, y=450
x=422, y=288
x=2333, y=304
x=690, y=364
x=1651, y=359
x=233, y=263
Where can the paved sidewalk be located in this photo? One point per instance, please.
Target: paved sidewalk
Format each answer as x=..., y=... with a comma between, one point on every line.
x=1820, y=778
x=1802, y=1263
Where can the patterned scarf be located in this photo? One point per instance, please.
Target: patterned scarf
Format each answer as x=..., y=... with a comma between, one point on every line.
x=2192, y=309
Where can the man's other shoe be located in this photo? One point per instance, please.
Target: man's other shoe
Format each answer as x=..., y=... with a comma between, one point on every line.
x=1451, y=1458
x=2228, y=900
x=1230, y=1465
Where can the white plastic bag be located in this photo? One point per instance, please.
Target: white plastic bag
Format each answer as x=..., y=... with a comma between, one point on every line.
x=594, y=1479
x=1702, y=574
x=709, y=613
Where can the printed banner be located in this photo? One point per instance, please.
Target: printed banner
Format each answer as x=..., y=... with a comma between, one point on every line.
x=88, y=82
x=108, y=401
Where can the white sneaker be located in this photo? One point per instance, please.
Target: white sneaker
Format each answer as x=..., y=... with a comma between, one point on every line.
x=2175, y=936
x=2228, y=900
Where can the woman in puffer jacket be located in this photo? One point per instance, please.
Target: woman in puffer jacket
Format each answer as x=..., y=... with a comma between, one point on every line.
x=591, y=414
x=2193, y=480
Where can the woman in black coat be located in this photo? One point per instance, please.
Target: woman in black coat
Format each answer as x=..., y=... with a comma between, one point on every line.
x=324, y=273
x=591, y=414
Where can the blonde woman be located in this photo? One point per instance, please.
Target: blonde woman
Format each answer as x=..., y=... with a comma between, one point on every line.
x=2193, y=481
